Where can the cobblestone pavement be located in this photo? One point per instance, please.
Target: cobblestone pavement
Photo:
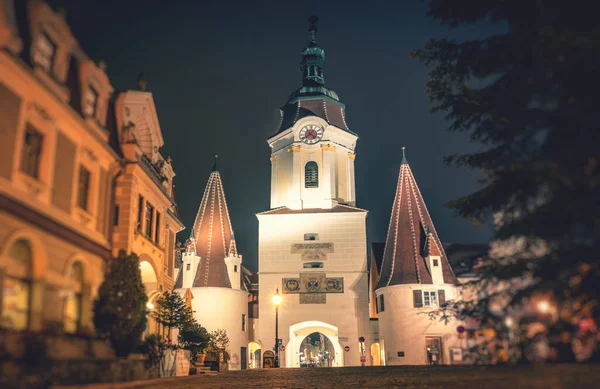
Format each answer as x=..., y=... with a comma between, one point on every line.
x=446, y=377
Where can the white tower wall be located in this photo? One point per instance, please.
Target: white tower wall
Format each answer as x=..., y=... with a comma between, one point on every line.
x=403, y=328
x=222, y=308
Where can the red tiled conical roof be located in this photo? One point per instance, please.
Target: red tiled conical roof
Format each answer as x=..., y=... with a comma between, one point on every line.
x=408, y=240
x=213, y=235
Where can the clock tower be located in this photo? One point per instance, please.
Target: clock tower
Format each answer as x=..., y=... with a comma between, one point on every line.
x=313, y=151
x=313, y=242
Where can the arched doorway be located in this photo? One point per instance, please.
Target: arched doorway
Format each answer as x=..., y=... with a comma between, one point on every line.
x=268, y=359
x=298, y=332
x=316, y=350
x=150, y=282
x=375, y=354
x=254, y=356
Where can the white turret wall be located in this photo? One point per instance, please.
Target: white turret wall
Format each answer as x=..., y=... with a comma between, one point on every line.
x=404, y=328
x=222, y=308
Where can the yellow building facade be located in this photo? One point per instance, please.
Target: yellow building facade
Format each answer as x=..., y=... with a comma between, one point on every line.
x=71, y=180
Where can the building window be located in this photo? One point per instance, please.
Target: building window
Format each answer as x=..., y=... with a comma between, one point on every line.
x=116, y=216
x=311, y=236
x=149, y=215
x=429, y=298
x=32, y=152
x=243, y=322
x=140, y=213
x=311, y=175
x=73, y=301
x=90, y=102
x=380, y=305
x=83, y=190
x=417, y=299
x=16, y=292
x=188, y=266
x=235, y=268
x=312, y=265
x=435, y=263
x=44, y=52
x=157, y=228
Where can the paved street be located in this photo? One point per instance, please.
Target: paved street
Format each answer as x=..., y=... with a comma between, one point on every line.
x=501, y=377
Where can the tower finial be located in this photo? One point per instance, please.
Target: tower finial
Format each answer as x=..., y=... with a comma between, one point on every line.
x=142, y=83
x=313, y=27
x=404, y=155
x=214, y=169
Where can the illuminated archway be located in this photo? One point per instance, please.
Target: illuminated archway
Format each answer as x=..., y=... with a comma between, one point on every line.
x=375, y=354
x=254, y=355
x=301, y=330
x=316, y=350
x=150, y=281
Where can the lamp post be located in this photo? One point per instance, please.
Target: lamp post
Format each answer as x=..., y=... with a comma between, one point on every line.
x=276, y=302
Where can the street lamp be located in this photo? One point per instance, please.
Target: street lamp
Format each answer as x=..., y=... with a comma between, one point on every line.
x=277, y=302
x=543, y=306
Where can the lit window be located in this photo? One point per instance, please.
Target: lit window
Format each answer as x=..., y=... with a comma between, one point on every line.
x=16, y=291
x=73, y=301
x=83, y=189
x=44, y=52
x=311, y=175
x=149, y=217
x=90, y=102
x=430, y=299
x=32, y=152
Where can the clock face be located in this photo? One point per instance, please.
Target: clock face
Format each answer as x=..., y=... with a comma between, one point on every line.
x=311, y=134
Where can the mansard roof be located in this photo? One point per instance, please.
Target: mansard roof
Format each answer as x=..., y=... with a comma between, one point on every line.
x=318, y=104
x=213, y=236
x=411, y=237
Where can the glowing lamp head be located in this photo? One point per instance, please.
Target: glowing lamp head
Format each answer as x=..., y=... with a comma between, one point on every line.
x=543, y=306
x=509, y=322
x=149, y=305
x=277, y=298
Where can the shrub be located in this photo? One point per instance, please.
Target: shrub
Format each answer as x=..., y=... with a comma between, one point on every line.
x=120, y=309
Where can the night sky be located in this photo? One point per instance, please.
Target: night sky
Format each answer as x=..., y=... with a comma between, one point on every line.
x=219, y=71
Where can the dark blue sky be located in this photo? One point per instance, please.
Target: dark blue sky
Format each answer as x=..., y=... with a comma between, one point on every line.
x=219, y=71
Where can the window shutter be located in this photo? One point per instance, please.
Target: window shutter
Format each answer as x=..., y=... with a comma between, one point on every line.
x=442, y=297
x=417, y=299
x=382, y=308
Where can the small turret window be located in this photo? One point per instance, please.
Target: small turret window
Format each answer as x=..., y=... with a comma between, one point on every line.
x=311, y=175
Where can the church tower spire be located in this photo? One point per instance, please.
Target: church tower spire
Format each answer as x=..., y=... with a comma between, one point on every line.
x=313, y=58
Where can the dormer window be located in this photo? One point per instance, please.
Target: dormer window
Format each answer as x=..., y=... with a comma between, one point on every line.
x=90, y=103
x=44, y=52
x=311, y=175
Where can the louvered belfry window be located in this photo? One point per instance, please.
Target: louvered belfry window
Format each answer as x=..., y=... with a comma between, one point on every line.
x=311, y=175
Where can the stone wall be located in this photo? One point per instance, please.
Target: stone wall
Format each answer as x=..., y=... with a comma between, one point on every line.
x=29, y=360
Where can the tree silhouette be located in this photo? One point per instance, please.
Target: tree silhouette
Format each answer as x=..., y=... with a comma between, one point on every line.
x=527, y=97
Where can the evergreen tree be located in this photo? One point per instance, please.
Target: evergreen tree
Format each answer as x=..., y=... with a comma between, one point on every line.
x=120, y=308
x=195, y=338
x=171, y=311
x=527, y=96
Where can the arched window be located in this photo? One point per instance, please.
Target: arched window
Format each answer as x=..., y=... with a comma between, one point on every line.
x=311, y=175
x=17, y=289
x=72, y=305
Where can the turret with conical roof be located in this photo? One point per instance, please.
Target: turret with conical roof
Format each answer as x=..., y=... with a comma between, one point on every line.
x=212, y=238
x=412, y=239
